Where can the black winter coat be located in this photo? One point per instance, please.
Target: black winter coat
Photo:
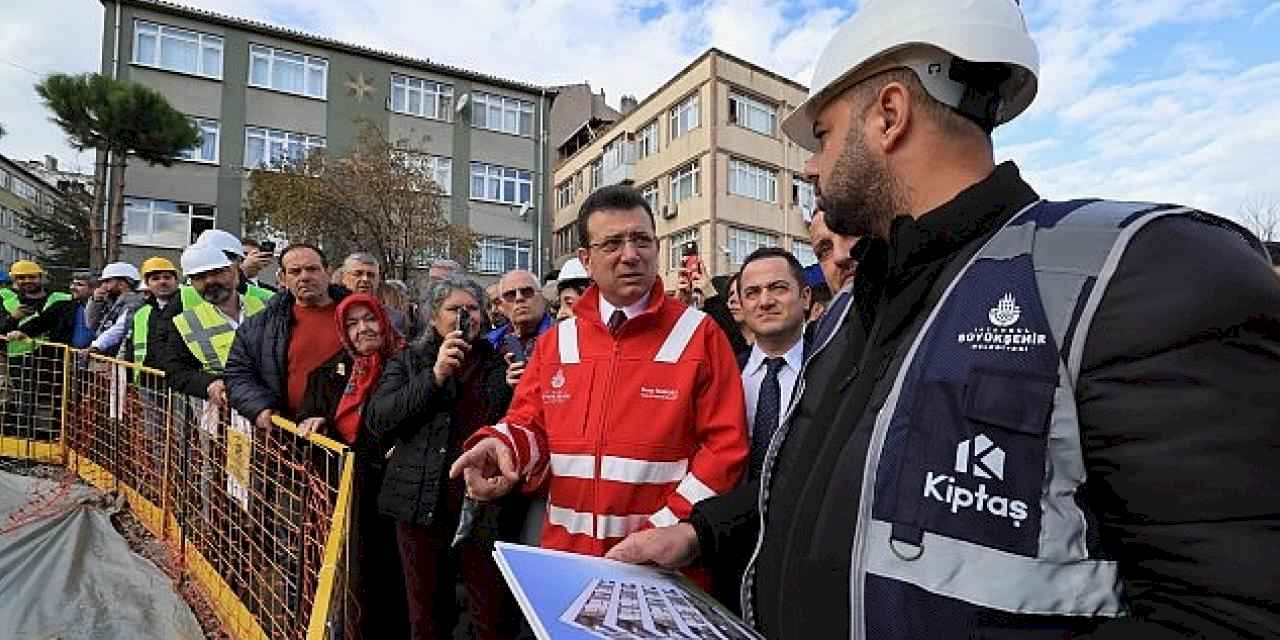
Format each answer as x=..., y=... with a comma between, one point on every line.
x=1178, y=416
x=418, y=417
x=257, y=370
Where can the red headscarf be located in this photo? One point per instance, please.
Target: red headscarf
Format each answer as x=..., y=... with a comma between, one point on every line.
x=367, y=369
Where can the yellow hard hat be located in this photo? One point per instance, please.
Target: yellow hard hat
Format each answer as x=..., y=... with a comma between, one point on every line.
x=25, y=268
x=157, y=264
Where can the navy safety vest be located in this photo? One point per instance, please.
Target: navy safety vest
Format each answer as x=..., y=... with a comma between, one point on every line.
x=970, y=513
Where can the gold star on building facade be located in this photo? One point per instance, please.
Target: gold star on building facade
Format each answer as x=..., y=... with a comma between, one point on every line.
x=359, y=86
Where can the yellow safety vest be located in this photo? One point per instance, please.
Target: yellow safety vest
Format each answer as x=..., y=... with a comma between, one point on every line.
x=208, y=333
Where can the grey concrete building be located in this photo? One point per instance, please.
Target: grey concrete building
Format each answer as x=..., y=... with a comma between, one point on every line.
x=22, y=190
x=259, y=92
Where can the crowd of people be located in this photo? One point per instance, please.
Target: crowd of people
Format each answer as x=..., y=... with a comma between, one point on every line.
x=981, y=414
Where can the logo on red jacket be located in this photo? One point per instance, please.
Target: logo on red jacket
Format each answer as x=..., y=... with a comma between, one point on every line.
x=556, y=395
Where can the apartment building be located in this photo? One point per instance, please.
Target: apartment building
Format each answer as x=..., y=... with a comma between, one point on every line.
x=22, y=190
x=260, y=92
x=707, y=151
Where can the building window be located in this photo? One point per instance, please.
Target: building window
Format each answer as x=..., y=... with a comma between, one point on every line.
x=438, y=168
x=684, y=117
x=647, y=140
x=24, y=189
x=753, y=181
x=269, y=148
x=505, y=185
x=577, y=182
x=424, y=98
x=803, y=251
x=675, y=246
x=286, y=71
x=650, y=194
x=752, y=114
x=565, y=240
x=500, y=255
x=161, y=223
x=499, y=113
x=164, y=47
x=802, y=194
x=684, y=182
x=744, y=241
x=565, y=194
x=207, y=149
x=597, y=173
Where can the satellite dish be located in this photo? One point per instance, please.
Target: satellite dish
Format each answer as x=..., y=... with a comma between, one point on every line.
x=462, y=102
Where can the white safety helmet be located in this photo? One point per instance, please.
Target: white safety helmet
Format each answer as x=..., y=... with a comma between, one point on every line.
x=975, y=56
x=573, y=270
x=121, y=270
x=222, y=241
x=197, y=259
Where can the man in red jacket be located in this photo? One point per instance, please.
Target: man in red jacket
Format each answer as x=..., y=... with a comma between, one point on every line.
x=632, y=411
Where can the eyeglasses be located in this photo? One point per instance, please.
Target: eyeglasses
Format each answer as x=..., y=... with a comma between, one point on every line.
x=613, y=244
x=525, y=292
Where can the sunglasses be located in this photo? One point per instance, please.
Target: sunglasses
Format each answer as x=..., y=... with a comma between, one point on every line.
x=524, y=292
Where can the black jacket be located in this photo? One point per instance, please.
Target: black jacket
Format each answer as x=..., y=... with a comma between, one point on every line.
x=155, y=324
x=55, y=324
x=411, y=412
x=257, y=369
x=1178, y=414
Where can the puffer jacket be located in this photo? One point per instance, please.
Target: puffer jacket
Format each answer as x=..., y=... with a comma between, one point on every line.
x=257, y=369
x=418, y=417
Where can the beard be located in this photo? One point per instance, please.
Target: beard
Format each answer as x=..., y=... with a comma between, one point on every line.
x=215, y=294
x=863, y=197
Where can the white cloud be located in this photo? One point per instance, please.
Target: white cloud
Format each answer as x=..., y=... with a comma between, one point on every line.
x=1206, y=140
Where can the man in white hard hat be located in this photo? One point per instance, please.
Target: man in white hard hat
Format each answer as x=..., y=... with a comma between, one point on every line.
x=233, y=248
x=197, y=336
x=1033, y=423
x=121, y=280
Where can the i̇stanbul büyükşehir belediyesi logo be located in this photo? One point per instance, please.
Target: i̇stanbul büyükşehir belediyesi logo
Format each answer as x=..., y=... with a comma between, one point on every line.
x=1003, y=334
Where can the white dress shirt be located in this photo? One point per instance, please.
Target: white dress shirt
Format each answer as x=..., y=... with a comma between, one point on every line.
x=631, y=310
x=753, y=375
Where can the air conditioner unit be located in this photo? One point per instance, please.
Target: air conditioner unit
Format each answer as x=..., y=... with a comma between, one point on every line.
x=669, y=211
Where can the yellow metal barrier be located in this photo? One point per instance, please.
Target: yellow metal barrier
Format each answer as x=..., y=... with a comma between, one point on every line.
x=258, y=518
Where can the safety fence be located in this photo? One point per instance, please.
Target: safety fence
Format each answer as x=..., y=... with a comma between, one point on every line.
x=258, y=518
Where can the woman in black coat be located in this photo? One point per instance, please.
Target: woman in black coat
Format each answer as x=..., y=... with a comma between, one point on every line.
x=431, y=398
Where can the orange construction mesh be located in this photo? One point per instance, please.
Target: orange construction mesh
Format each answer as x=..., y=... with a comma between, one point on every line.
x=258, y=517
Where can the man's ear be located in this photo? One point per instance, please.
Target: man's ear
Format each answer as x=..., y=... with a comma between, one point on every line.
x=892, y=112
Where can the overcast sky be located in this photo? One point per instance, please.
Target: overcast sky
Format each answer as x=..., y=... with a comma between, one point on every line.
x=1167, y=100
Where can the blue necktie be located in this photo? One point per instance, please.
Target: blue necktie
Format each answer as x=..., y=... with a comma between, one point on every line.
x=768, y=407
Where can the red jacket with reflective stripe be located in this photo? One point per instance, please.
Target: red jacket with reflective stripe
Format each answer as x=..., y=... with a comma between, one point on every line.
x=627, y=431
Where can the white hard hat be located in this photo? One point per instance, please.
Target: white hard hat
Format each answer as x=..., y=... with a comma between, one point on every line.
x=121, y=270
x=573, y=270
x=199, y=258
x=222, y=241
x=928, y=37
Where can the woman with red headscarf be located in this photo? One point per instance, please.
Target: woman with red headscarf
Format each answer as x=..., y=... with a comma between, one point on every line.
x=333, y=404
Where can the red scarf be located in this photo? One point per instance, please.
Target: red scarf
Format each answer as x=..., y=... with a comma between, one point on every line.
x=366, y=369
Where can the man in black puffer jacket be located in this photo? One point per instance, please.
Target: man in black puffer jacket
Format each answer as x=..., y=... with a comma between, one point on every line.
x=267, y=370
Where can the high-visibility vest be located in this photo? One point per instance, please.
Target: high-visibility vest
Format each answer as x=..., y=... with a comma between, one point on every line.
x=208, y=333
x=191, y=298
x=16, y=348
